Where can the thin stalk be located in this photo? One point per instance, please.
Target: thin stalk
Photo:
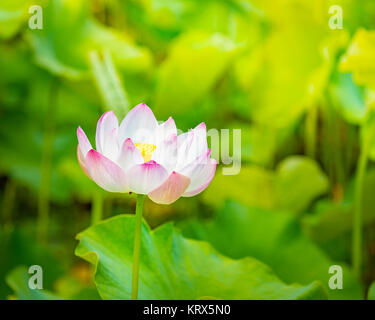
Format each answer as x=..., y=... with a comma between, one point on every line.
x=137, y=245
x=350, y=146
x=333, y=151
x=366, y=142
x=338, y=154
x=357, y=218
x=328, y=143
x=338, y=160
x=311, y=131
x=96, y=208
x=46, y=165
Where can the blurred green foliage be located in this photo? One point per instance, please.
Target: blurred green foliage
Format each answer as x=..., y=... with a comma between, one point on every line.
x=301, y=93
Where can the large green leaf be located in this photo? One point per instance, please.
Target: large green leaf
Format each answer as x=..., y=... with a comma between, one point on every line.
x=18, y=280
x=173, y=267
x=276, y=239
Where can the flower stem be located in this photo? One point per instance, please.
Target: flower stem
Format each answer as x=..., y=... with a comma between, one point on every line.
x=97, y=208
x=46, y=165
x=357, y=219
x=368, y=135
x=311, y=131
x=137, y=245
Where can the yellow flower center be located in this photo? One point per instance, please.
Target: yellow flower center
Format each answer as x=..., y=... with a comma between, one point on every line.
x=146, y=150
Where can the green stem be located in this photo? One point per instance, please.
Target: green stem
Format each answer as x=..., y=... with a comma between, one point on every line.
x=327, y=143
x=357, y=219
x=368, y=137
x=311, y=131
x=46, y=165
x=137, y=245
x=337, y=154
x=97, y=208
x=350, y=147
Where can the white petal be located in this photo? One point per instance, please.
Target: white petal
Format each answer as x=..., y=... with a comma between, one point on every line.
x=106, y=135
x=184, y=142
x=139, y=125
x=199, y=143
x=191, y=145
x=200, y=171
x=129, y=155
x=166, y=153
x=165, y=131
x=145, y=177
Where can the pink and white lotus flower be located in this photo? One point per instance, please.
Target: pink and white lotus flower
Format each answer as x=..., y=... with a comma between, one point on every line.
x=145, y=157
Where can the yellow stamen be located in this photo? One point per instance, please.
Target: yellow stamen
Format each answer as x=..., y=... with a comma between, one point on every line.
x=146, y=150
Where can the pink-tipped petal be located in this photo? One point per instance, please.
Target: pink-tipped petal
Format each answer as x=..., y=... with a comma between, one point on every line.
x=185, y=139
x=171, y=189
x=129, y=155
x=192, y=145
x=166, y=130
x=145, y=177
x=139, y=125
x=106, y=135
x=201, y=171
x=83, y=142
x=166, y=153
x=199, y=143
x=82, y=161
x=105, y=172
x=184, y=142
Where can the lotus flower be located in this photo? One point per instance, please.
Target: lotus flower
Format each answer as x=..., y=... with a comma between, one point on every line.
x=145, y=157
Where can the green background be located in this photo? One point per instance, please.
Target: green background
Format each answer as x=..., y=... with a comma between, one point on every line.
x=301, y=92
